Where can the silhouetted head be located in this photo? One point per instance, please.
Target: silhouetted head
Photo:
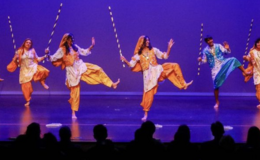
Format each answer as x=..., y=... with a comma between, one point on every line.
x=100, y=132
x=253, y=137
x=33, y=130
x=65, y=133
x=227, y=143
x=182, y=134
x=148, y=128
x=50, y=141
x=217, y=129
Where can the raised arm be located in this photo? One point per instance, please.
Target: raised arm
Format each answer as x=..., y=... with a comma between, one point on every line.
x=170, y=44
x=86, y=52
x=225, y=48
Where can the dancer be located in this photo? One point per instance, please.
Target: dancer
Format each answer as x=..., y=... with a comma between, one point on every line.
x=67, y=56
x=220, y=67
x=144, y=60
x=27, y=58
x=253, y=58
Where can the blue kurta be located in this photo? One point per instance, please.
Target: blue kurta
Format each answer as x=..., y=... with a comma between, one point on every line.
x=220, y=67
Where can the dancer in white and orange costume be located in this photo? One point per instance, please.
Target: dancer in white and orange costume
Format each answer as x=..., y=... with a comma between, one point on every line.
x=67, y=56
x=145, y=61
x=27, y=58
x=253, y=58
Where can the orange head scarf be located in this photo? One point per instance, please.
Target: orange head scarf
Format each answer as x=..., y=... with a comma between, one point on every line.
x=139, y=44
x=137, y=67
x=64, y=39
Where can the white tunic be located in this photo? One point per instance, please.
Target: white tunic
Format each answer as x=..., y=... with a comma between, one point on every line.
x=256, y=64
x=28, y=66
x=151, y=75
x=74, y=72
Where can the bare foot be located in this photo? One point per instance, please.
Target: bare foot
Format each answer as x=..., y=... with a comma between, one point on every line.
x=73, y=115
x=1, y=79
x=45, y=85
x=144, y=118
x=216, y=105
x=258, y=106
x=114, y=85
x=187, y=84
x=27, y=104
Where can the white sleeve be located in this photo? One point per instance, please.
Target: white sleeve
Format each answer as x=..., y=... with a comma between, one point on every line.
x=134, y=60
x=58, y=55
x=224, y=50
x=159, y=54
x=83, y=52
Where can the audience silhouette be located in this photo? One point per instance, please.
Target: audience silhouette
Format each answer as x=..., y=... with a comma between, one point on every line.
x=103, y=147
x=68, y=148
x=181, y=147
x=145, y=145
x=30, y=145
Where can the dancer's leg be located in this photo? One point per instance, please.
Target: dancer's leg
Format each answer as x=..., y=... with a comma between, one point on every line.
x=147, y=101
x=95, y=75
x=74, y=99
x=216, y=94
x=27, y=92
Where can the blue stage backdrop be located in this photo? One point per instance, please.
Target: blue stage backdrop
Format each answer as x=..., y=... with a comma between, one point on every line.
x=159, y=19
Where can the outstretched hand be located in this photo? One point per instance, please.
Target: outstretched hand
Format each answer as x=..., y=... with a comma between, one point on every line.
x=93, y=41
x=122, y=58
x=226, y=45
x=170, y=43
x=47, y=51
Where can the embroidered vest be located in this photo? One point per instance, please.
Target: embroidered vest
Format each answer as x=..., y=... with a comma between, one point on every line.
x=146, y=60
x=66, y=60
x=210, y=57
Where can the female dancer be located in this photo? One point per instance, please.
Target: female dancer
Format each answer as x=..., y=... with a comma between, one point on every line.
x=144, y=60
x=27, y=58
x=254, y=66
x=67, y=56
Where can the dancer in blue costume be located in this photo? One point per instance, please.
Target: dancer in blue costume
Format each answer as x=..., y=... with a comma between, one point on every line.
x=220, y=67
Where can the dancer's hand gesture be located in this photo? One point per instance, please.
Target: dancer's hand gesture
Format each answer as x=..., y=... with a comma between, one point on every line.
x=226, y=45
x=93, y=41
x=47, y=51
x=170, y=43
x=123, y=58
